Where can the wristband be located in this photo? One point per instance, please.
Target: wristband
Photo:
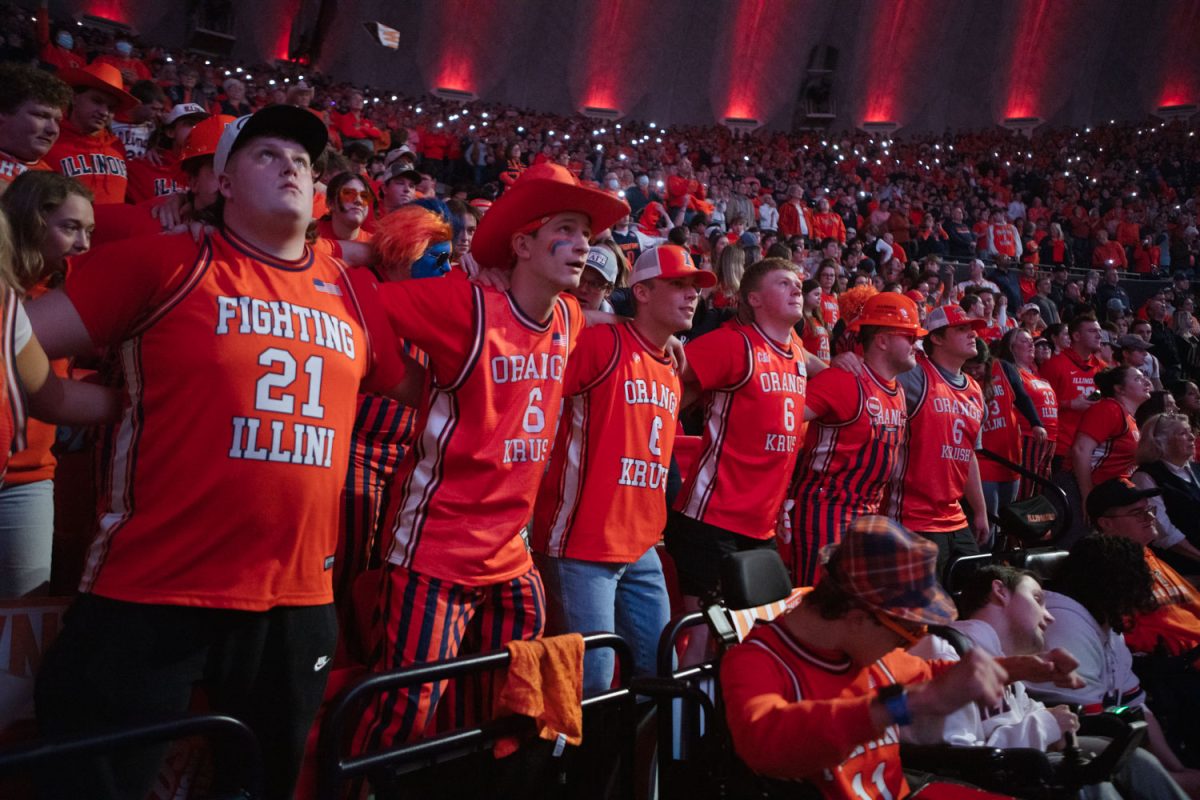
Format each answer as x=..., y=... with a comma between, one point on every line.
x=895, y=700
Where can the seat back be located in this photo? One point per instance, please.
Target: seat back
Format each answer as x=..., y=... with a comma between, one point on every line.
x=753, y=578
x=963, y=567
x=1044, y=562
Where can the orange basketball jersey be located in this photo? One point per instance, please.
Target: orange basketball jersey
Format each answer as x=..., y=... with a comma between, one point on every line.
x=604, y=497
x=752, y=418
x=943, y=430
x=467, y=487
x=224, y=473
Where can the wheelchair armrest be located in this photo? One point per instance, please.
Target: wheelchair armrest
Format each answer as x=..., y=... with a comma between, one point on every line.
x=986, y=767
x=1126, y=736
x=1108, y=724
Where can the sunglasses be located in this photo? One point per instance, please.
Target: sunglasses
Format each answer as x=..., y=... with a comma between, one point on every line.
x=912, y=634
x=349, y=195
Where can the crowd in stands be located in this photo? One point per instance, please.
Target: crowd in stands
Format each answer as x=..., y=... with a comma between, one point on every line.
x=416, y=370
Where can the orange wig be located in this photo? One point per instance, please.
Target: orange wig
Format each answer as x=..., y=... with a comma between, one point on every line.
x=402, y=236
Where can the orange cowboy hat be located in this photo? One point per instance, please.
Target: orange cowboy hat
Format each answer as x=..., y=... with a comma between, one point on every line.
x=104, y=77
x=539, y=193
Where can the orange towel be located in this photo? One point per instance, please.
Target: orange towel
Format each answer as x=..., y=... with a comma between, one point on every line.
x=544, y=681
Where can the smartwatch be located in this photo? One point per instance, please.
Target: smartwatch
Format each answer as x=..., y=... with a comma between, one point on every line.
x=895, y=700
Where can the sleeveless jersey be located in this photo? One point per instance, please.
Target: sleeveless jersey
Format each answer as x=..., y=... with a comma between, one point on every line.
x=815, y=338
x=1000, y=430
x=604, y=496
x=467, y=487
x=1037, y=456
x=1005, y=240
x=943, y=429
x=849, y=458
x=226, y=468
x=1116, y=435
x=773, y=662
x=755, y=406
x=383, y=431
x=830, y=309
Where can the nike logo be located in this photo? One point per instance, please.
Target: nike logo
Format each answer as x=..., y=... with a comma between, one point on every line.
x=321, y=662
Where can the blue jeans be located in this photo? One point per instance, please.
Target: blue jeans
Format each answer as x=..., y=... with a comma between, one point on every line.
x=995, y=495
x=628, y=599
x=26, y=538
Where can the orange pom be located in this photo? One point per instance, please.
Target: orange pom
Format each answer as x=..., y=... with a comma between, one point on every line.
x=851, y=301
x=403, y=235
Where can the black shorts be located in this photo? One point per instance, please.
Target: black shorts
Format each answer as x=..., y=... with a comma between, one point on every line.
x=697, y=549
x=117, y=663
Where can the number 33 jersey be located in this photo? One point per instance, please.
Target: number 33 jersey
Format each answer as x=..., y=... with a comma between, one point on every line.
x=604, y=497
x=224, y=473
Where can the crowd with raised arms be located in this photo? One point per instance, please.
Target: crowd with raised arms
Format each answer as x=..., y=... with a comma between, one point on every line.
x=382, y=380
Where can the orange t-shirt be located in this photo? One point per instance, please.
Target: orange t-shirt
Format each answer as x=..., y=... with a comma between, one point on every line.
x=604, y=496
x=753, y=411
x=1070, y=378
x=467, y=487
x=242, y=370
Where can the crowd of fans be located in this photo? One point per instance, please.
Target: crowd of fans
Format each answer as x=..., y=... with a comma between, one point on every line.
x=846, y=323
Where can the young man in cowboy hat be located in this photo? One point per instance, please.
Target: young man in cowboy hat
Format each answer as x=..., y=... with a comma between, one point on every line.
x=86, y=149
x=601, y=508
x=821, y=692
x=459, y=566
x=856, y=425
x=212, y=561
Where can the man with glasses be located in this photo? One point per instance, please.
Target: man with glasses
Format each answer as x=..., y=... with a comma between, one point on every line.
x=1118, y=508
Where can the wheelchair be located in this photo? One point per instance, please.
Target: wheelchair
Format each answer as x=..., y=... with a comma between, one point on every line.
x=696, y=756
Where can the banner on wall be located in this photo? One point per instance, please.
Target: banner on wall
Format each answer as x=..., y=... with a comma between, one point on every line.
x=388, y=37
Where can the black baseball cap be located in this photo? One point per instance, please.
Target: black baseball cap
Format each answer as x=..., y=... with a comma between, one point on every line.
x=1115, y=493
x=286, y=122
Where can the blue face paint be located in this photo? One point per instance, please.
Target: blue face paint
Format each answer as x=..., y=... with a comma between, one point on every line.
x=557, y=243
x=434, y=262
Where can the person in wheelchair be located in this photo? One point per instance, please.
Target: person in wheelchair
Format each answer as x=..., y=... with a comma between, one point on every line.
x=1103, y=590
x=1003, y=612
x=820, y=693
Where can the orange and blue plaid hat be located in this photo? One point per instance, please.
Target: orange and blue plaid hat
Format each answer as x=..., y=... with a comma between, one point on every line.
x=890, y=570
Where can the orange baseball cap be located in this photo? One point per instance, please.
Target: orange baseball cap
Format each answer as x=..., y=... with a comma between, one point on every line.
x=669, y=261
x=890, y=310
